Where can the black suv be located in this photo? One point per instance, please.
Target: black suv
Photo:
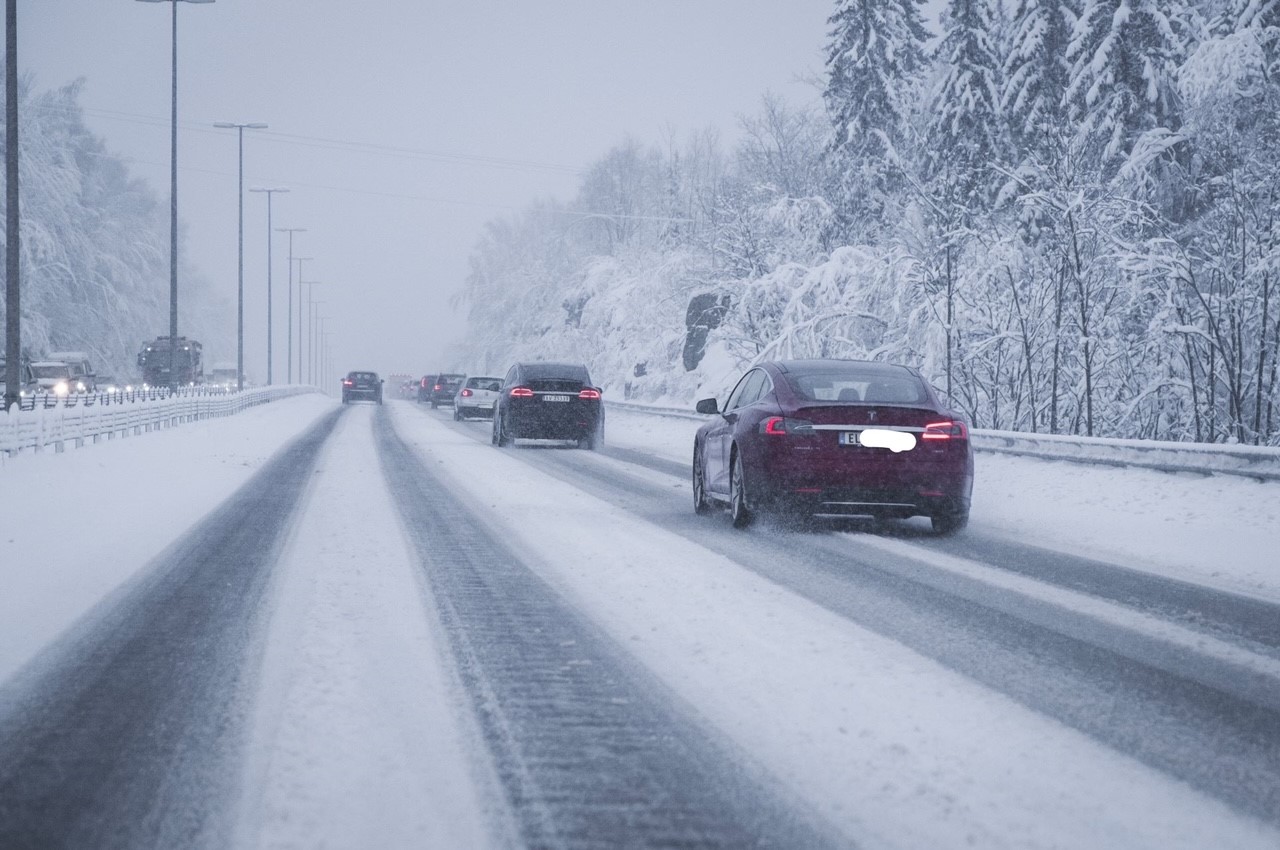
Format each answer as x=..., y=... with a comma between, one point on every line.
x=440, y=389
x=366, y=385
x=548, y=401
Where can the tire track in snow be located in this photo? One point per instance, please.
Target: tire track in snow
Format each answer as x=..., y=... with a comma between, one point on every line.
x=593, y=752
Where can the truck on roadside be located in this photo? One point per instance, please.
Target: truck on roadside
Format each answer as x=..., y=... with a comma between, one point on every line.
x=182, y=366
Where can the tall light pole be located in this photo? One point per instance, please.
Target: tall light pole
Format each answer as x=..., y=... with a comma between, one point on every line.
x=289, y=313
x=319, y=355
x=269, y=192
x=13, y=257
x=240, y=127
x=311, y=338
x=173, y=200
x=301, y=336
x=300, y=259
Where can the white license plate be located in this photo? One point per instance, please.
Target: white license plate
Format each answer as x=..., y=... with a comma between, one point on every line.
x=848, y=438
x=484, y=404
x=555, y=398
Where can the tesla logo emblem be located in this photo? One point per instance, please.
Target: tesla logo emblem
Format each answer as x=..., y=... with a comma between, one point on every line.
x=871, y=416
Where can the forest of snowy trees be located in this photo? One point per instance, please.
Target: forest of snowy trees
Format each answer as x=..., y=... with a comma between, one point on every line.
x=1062, y=211
x=95, y=244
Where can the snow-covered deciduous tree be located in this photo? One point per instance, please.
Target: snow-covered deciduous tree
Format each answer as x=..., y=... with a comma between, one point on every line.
x=95, y=245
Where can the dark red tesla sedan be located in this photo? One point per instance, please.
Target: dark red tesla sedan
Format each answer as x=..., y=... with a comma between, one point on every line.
x=843, y=437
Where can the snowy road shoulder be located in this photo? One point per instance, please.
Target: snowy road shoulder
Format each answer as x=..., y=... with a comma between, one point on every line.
x=75, y=526
x=866, y=729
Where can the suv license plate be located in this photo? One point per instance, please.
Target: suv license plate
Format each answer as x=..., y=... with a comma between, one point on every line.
x=555, y=398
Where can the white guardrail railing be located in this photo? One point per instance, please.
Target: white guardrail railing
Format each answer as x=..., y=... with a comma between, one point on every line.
x=107, y=415
x=1258, y=462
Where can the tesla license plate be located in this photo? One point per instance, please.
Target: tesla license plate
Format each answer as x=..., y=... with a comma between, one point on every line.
x=848, y=438
x=555, y=398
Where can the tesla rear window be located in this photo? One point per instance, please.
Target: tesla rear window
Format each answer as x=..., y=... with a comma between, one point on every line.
x=869, y=389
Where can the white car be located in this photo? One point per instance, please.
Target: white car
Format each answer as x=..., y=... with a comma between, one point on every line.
x=476, y=397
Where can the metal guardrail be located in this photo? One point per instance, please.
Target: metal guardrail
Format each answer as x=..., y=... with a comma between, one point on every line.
x=107, y=415
x=1261, y=463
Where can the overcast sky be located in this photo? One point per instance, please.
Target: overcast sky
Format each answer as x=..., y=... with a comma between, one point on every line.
x=401, y=128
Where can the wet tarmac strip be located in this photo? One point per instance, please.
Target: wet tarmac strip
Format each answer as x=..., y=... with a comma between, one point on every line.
x=591, y=750
x=127, y=732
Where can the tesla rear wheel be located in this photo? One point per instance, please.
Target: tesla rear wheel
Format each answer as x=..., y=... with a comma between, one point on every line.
x=701, y=505
x=739, y=508
x=949, y=523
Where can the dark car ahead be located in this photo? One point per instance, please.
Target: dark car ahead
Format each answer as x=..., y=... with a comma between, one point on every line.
x=844, y=437
x=548, y=401
x=439, y=389
x=366, y=385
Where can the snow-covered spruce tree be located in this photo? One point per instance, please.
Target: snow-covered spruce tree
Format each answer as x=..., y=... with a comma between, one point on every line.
x=967, y=130
x=875, y=52
x=1036, y=72
x=1124, y=58
x=966, y=138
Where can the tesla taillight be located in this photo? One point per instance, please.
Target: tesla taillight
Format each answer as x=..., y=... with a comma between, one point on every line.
x=780, y=426
x=950, y=430
x=521, y=392
x=589, y=394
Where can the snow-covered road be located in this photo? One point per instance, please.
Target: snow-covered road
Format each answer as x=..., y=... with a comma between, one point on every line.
x=451, y=645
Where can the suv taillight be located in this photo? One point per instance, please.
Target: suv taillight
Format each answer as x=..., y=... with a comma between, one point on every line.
x=521, y=392
x=346, y=382
x=589, y=394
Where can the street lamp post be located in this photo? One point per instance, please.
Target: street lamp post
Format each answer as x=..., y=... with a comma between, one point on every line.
x=311, y=338
x=308, y=284
x=289, y=312
x=240, y=127
x=319, y=355
x=269, y=192
x=173, y=199
x=300, y=285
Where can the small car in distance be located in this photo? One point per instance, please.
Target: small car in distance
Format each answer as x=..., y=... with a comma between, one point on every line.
x=440, y=389
x=834, y=437
x=548, y=401
x=365, y=385
x=476, y=397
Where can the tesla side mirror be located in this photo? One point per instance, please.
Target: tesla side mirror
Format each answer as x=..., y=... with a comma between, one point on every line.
x=708, y=405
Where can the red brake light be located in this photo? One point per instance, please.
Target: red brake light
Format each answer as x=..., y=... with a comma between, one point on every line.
x=346, y=382
x=521, y=392
x=466, y=393
x=589, y=394
x=781, y=426
x=946, y=431
x=423, y=383
x=437, y=387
